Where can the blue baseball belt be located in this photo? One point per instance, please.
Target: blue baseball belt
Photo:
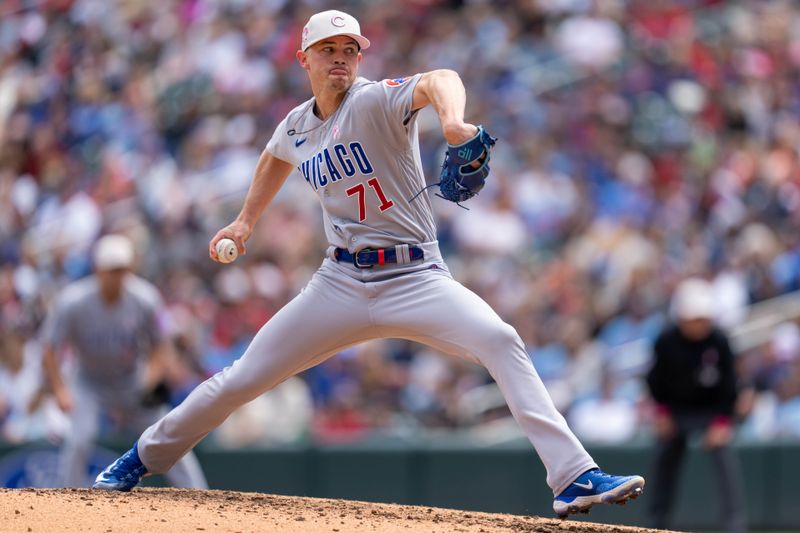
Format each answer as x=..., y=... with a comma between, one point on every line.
x=367, y=258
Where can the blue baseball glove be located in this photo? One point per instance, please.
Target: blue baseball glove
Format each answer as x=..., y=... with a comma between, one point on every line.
x=466, y=167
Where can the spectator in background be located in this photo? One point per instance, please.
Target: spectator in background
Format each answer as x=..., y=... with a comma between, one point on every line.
x=772, y=374
x=693, y=382
x=110, y=320
x=23, y=416
x=604, y=418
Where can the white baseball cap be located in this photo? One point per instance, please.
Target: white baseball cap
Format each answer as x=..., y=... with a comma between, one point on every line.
x=693, y=298
x=330, y=23
x=113, y=251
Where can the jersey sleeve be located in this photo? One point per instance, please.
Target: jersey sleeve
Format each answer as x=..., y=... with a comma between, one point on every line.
x=154, y=325
x=55, y=329
x=156, y=317
x=399, y=96
x=391, y=100
x=278, y=145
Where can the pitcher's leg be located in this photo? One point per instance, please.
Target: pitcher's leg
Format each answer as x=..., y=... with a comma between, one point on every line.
x=444, y=314
x=187, y=472
x=328, y=315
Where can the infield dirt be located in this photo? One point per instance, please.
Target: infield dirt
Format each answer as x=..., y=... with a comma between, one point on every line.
x=180, y=510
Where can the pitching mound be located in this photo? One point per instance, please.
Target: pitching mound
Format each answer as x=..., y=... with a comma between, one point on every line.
x=178, y=510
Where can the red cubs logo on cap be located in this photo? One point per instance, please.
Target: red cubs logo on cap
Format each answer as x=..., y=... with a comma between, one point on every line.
x=397, y=82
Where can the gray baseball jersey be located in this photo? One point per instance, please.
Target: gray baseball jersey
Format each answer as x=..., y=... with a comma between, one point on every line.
x=110, y=342
x=363, y=162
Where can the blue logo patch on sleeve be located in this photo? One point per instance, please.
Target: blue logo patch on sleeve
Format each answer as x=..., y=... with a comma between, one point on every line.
x=397, y=82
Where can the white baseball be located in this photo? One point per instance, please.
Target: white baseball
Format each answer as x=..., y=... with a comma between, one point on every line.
x=227, y=251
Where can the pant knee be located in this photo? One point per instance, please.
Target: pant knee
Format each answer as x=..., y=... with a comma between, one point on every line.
x=502, y=340
x=507, y=337
x=238, y=389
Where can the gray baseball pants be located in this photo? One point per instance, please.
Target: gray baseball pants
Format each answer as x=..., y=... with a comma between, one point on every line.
x=342, y=306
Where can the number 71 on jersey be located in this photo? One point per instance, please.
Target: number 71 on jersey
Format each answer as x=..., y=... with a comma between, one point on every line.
x=361, y=191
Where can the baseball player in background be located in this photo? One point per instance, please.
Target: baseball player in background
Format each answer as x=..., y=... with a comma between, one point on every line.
x=355, y=144
x=110, y=322
x=694, y=384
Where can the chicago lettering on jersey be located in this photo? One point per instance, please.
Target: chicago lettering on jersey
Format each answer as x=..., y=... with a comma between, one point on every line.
x=334, y=164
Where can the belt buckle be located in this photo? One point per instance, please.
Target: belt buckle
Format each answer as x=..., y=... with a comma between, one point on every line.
x=355, y=259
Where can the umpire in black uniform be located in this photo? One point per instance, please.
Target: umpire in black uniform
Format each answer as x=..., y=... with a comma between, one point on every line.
x=693, y=382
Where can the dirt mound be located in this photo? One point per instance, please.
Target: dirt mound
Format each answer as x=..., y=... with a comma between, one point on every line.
x=176, y=510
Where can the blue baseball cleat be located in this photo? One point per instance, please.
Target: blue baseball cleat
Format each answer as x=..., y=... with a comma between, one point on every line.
x=593, y=487
x=123, y=474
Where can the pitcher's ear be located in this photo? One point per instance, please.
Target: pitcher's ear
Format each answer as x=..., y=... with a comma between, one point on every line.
x=302, y=58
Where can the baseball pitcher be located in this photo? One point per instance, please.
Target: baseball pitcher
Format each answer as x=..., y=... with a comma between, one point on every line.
x=355, y=145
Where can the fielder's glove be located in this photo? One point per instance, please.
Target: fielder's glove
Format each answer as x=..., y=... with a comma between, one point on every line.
x=460, y=180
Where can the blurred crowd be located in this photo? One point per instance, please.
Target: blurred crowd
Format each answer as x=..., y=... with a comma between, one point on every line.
x=641, y=142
